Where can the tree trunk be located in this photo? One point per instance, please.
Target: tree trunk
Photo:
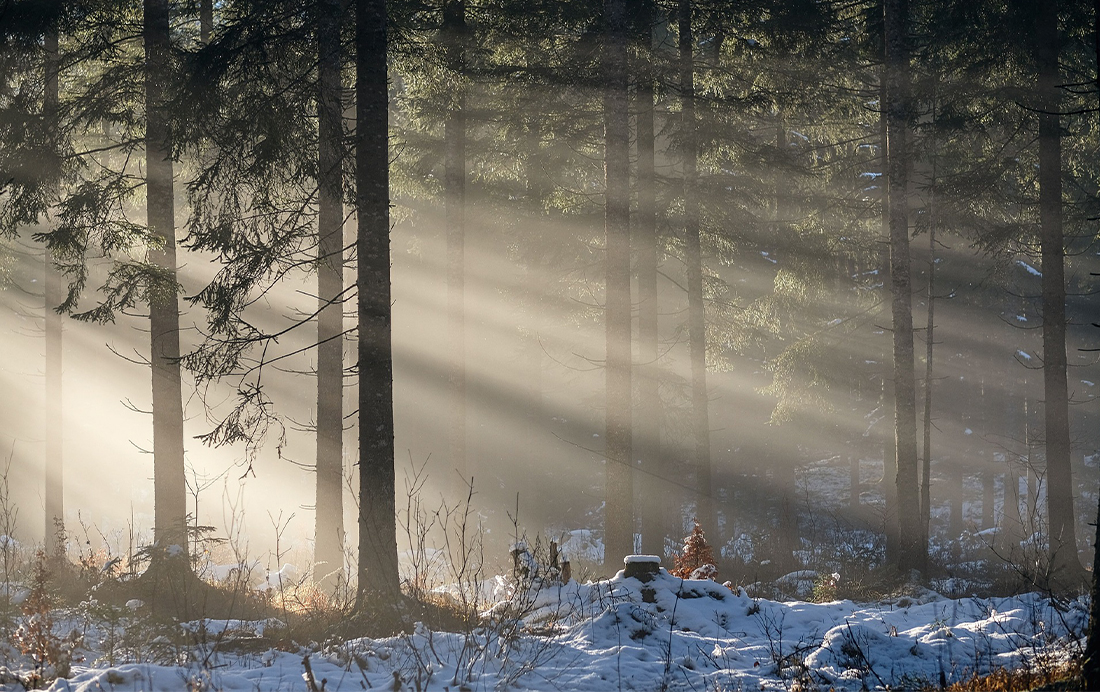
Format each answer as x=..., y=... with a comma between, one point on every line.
x=1063, y=540
x=1011, y=520
x=206, y=20
x=912, y=551
x=989, y=492
x=693, y=258
x=1090, y=671
x=169, y=485
x=619, y=517
x=1032, y=475
x=645, y=237
x=956, y=497
x=454, y=28
x=378, y=576
x=53, y=497
x=854, y=485
x=888, y=482
x=787, y=513
x=535, y=189
x=926, y=470
x=328, y=556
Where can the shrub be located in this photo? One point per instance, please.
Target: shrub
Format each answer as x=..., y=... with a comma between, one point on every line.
x=52, y=656
x=697, y=555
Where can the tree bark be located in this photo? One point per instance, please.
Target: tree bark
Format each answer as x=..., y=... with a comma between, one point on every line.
x=454, y=28
x=1063, y=540
x=619, y=512
x=169, y=485
x=378, y=576
x=1090, y=670
x=989, y=492
x=206, y=21
x=929, y=335
x=693, y=258
x=854, y=485
x=912, y=551
x=886, y=396
x=55, y=293
x=645, y=237
x=328, y=556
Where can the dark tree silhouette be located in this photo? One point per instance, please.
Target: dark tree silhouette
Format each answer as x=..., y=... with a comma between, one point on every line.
x=329, y=533
x=170, y=487
x=378, y=577
x=619, y=514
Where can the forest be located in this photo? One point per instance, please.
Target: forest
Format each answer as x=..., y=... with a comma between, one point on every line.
x=588, y=345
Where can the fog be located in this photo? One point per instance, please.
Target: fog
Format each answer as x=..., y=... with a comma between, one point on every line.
x=534, y=347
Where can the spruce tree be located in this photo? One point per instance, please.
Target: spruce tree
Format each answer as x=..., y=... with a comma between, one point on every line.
x=618, y=458
x=378, y=577
x=911, y=552
x=170, y=487
x=329, y=531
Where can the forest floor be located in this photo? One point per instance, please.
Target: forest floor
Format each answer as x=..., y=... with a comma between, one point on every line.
x=614, y=634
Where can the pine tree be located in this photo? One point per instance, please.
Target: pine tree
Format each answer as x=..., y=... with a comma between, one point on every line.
x=54, y=492
x=618, y=459
x=454, y=38
x=644, y=234
x=1062, y=535
x=911, y=552
x=693, y=259
x=170, y=487
x=378, y=577
x=329, y=533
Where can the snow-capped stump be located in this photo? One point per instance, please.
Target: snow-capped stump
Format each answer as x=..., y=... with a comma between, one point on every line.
x=642, y=567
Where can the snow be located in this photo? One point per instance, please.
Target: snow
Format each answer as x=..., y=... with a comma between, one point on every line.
x=641, y=559
x=1030, y=269
x=279, y=579
x=622, y=634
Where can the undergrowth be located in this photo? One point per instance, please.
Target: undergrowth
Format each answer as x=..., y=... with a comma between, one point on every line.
x=1063, y=676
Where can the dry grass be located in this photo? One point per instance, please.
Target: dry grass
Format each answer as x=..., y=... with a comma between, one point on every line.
x=1065, y=676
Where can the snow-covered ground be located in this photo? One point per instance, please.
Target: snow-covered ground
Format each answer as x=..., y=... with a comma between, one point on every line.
x=623, y=634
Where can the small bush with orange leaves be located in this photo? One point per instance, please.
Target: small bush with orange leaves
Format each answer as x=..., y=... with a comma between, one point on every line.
x=52, y=656
x=696, y=561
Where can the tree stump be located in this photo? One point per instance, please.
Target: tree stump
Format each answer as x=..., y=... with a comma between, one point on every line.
x=642, y=567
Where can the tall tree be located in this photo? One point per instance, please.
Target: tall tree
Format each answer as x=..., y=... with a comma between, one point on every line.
x=693, y=258
x=1090, y=670
x=454, y=30
x=929, y=347
x=170, y=487
x=619, y=512
x=912, y=552
x=329, y=530
x=1062, y=538
x=55, y=291
x=378, y=575
x=648, y=429
x=930, y=327
x=206, y=21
